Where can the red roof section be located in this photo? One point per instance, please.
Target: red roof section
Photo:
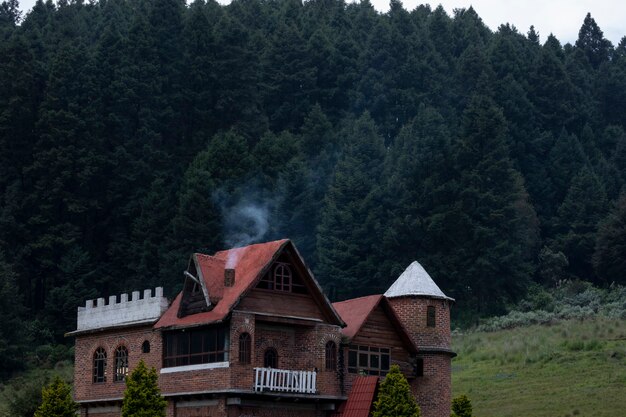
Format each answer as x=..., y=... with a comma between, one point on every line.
x=211, y=267
x=361, y=398
x=355, y=312
x=248, y=263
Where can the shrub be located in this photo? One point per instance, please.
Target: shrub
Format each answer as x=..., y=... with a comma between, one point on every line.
x=394, y=397
x=57, y=401
x=142, y=397
x=461, y=406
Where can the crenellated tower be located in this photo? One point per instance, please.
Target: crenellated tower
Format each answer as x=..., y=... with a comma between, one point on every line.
x=425, y=312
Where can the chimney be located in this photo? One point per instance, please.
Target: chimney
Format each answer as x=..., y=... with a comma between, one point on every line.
x=229, y=277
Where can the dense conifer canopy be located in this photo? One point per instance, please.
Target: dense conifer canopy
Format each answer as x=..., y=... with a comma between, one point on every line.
x=133, y=132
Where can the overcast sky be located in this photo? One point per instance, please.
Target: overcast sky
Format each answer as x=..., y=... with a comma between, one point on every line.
x=561, y=17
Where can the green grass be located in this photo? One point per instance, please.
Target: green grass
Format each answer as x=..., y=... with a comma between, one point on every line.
x=572, y=368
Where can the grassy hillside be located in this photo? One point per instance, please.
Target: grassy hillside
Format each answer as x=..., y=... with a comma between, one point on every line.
x=571, y=368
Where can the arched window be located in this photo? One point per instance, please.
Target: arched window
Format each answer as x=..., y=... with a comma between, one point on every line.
x=282, y=277
x=270, y=358
x=331, y=356
x=245, y=347
x=145, y=347
x=100, y=366
x=121, y=364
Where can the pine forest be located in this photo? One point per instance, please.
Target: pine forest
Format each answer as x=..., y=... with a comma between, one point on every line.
x=135, y=132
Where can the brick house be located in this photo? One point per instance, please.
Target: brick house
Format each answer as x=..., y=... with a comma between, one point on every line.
x=252, y=334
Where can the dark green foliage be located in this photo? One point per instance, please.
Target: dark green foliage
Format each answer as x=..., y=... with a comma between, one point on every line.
x=609, y=258
x=461, y=406
x=130, y=130
x=491, y=210
x=351, y=219
x=583, y=208
x=57, y=400
x=591, y=41
x=394, y=397
x=12, y=335
x=142, y=397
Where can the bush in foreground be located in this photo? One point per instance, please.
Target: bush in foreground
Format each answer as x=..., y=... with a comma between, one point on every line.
x=394, y=397
x=57, y=400
x=142, y=397
x=461, y=406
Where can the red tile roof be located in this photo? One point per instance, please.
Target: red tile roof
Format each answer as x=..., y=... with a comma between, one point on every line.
x=355, y=312
x=248, y=262
x=361, y=397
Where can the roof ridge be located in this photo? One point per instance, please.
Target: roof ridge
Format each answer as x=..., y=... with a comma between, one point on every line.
x=359, y=298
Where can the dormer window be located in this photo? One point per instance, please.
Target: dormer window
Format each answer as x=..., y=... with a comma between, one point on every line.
x=282, y=278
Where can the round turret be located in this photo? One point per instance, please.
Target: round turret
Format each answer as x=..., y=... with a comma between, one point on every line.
x=425, y=312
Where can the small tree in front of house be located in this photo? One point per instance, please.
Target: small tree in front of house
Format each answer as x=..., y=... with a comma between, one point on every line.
x=142, y=397
x=394, y=397
x=461, y=406
x=57, y=400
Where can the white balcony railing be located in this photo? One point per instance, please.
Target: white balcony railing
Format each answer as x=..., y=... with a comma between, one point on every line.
x=283, y=380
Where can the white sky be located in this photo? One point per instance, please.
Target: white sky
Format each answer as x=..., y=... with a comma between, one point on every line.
x=561, y=17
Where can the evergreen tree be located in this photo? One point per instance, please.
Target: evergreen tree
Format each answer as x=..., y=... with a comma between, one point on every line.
x=350, y=224
x=142, y=397
x=579, y=215
x=609, y=258
x=461, y=406
x=592, y=42
x=57, y=400
x=394, y=397
x=12, y=337
x=417, y=194
x=495, y=220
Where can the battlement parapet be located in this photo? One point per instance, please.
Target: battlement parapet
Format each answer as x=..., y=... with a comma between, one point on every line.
x=139, y=308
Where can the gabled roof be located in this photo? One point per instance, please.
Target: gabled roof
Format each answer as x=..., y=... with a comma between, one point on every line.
x=360, y=399
x=356, y=312
x=250, y=263
x=415, y=281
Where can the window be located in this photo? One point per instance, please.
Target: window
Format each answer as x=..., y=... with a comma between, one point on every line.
x=331, y=356
x=145, y=347
x=99, y=366
x=281, y=278
x=430, y=316
x=371, y=360
x=270, y=358
x=419, y=367
x=245, y=348
x=195, y=346
x=121, y=364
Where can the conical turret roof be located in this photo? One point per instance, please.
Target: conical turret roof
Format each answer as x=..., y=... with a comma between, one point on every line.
x=415, y=281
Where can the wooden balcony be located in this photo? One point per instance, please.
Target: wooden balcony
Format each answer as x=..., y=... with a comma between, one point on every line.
x=284, y=380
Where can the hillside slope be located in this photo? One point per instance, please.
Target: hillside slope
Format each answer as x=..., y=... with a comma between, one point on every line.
x=572, y=368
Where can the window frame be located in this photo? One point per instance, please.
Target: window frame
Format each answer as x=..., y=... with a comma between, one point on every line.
x=99, y=373
x=431, y=316
x=330, y=356
x=245, y=348
x=179, y=346
x=145, y=346
x=357, y=354
x=121, y=364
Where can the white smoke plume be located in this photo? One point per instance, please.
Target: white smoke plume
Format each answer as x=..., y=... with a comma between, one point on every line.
x=245, y=223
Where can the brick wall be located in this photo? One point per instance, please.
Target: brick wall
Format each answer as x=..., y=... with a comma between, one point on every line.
x=412, y=312
x=132, y=339
x=433, y=390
